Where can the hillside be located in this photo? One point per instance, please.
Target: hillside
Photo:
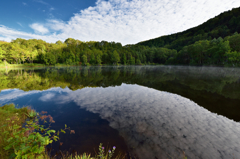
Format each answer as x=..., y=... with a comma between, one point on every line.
x=215, y=42
x=223, y=25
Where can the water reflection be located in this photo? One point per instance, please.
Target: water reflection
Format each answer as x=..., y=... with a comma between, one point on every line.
x=90, y=128
x=160, y=124
x=153, y=122
x=214, y=88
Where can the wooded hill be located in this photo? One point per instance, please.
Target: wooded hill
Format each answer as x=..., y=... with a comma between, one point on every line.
x=225, y=24
x=216, y=42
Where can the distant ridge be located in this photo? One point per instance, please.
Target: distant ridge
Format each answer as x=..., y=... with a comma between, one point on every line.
x=225, y=24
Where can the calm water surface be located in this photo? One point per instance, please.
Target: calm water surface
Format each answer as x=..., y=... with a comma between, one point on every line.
x=145, y=111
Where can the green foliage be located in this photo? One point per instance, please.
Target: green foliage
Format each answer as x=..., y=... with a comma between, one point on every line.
x=49, y=59
x=2, y=52
x=233, y=58
x=9, y=112
x=28, y=141
x=84, y=60
x=132, y=60
x=92, y=59
x=98, y=59
x=115, y=58
x=138, y=62
x=124, y=59
x=69, y=61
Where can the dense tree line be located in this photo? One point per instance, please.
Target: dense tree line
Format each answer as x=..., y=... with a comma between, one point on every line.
x=77, y=52
x=74, y=52
x=215, y=42
x=218, y=52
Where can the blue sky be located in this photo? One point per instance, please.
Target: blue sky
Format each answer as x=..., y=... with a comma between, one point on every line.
x=125, y=21
x=20, y=14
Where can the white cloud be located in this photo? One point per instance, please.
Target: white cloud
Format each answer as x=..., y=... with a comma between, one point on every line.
x=8, y=34
x=47, y=97
x=39, y=28
x=24, y=3
x=133, y=21
x=56, y=25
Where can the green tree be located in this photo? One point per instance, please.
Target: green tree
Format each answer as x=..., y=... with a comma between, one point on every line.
x=124, y=59
x=33, y=55
x=138, y=62
x=2, y=52
x=233, y=58
x=49, y=59
x=84, y=60
x=99, y=60
x=132, y=60
x=92, y=59
x=115, y=58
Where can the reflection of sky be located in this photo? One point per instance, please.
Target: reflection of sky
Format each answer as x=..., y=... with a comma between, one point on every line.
x=154, y=123
x=161, y=124
x=9, y=95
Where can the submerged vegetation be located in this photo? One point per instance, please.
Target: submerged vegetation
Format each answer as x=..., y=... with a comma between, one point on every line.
x=23, y=136
x=216, y=42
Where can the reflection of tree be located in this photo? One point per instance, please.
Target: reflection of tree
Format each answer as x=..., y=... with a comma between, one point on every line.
x=211, y=79
x=210, y=87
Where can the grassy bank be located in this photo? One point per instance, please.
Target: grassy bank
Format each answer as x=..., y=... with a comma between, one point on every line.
x=21, y=135
x=2, y=65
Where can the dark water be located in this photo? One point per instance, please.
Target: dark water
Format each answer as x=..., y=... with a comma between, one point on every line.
x=145, y=111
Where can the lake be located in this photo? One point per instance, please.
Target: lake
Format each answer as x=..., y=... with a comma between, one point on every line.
x=145, y=111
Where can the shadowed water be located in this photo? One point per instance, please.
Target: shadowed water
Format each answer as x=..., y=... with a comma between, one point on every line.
x=148, y=121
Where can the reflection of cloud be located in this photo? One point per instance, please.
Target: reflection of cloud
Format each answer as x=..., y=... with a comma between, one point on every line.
x=47, y=97
x=13, y=94
x=160, y=124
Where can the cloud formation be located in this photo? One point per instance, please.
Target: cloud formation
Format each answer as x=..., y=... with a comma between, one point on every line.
x=39, y=28
x=132, y=21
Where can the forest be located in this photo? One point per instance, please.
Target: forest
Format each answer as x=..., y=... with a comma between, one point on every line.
x=215, y=42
